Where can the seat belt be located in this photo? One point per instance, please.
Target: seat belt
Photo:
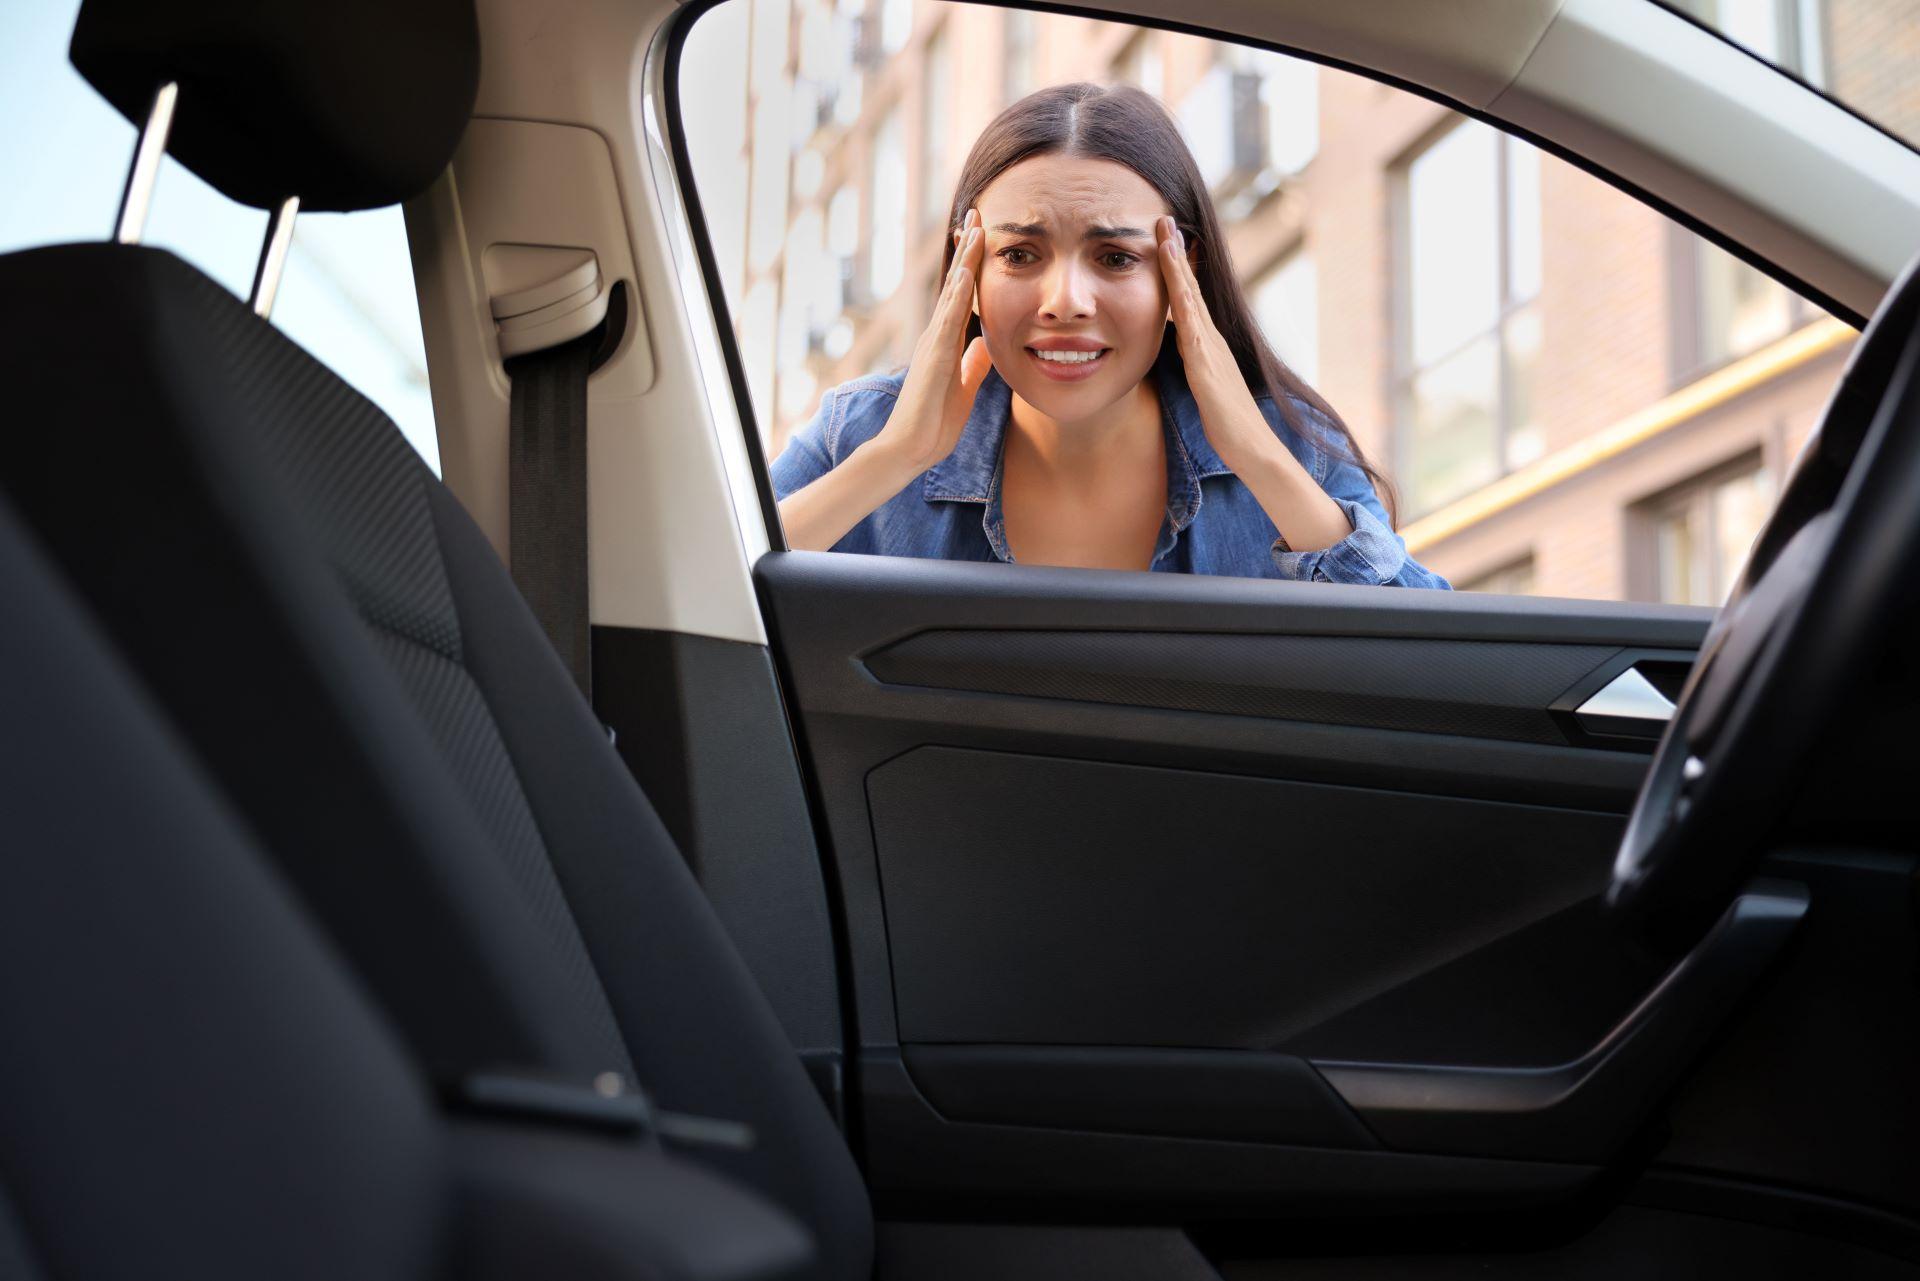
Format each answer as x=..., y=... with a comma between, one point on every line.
x=547, y=495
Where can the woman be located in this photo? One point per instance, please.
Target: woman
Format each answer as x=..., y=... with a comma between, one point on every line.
x=1045, y=419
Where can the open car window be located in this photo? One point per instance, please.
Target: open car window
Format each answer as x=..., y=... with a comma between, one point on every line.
x=1570, y=394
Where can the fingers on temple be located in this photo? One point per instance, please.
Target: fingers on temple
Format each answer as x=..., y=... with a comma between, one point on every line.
x=1181, y=291
x=955, y=303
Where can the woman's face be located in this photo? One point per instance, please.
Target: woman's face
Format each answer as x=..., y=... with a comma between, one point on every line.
x=1071, y=268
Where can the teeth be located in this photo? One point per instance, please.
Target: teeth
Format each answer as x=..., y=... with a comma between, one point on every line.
x=1068, y=357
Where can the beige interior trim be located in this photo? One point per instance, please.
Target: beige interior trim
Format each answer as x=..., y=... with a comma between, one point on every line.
x=1720, y=135
x=559, y=153
x=1805, y=344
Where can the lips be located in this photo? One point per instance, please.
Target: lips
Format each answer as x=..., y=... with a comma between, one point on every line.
x=1074, y=360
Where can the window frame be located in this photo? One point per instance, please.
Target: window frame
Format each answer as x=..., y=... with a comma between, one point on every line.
x=1646, y=515
x=1404, y=372
x=1687, y=351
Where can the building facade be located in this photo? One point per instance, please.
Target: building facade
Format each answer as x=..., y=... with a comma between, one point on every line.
x=1572, y=395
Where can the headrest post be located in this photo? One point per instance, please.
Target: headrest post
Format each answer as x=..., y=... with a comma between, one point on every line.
x=148, y=151
x=273, y=255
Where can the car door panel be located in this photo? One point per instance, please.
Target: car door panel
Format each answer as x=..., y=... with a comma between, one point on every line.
x=1126, y=861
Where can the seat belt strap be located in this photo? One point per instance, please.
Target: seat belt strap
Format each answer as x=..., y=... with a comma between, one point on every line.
x=547, y=495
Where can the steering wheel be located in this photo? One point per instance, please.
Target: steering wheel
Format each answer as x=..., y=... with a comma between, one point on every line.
x=1789, y=653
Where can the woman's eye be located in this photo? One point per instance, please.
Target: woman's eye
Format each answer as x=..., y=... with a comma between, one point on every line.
x=1007, y=256
x=1118, y=261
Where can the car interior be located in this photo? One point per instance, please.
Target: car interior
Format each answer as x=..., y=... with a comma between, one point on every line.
x=537, y=870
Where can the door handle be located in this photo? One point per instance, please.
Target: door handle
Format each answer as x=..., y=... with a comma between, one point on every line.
x=1628, y=704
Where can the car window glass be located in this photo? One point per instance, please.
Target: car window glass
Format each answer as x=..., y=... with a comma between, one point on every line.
x=1570, y=394
x=347, y=294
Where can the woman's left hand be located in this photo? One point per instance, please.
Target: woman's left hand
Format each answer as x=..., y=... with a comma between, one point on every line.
x=1299, y=509
x=1234, y=425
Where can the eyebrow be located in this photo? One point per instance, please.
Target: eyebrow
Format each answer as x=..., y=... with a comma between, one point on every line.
x=1037, y=231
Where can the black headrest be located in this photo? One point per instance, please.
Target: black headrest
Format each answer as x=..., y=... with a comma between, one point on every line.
x=347, y=104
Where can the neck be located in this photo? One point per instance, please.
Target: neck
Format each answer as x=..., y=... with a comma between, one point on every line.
x=1091, y=444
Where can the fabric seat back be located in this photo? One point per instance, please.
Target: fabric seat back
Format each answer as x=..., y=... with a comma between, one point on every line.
x=342, y=647
x=191, y=1082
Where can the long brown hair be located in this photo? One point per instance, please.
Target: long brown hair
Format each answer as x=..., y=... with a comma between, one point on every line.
x=1129, y=127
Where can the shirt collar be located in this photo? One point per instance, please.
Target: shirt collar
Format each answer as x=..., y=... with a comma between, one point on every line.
x=971, y=472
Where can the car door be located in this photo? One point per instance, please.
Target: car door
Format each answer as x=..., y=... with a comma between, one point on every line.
x=1190, y=860
x=1273, y=910
x=1221, y=924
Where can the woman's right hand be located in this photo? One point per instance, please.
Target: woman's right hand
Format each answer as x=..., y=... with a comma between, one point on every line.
x=945, y=370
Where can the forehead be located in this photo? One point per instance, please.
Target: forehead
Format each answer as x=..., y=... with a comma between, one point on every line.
x=1066, y=192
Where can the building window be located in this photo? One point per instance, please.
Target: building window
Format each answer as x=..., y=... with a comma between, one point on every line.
x=1286, y=94
x=759, y=320
x=1286, y=302
x=937, y=93
x=1224, y=150
x=887, y=235
x=843, y=243
x=1140, y=65
x=1516, y=578
x=1252, y=121
x=1017, y=70
x=770, y=193
x=1290, y=99
x=896, y=25
x=1471, y=329
x=1696, y=538
x=1736, y=309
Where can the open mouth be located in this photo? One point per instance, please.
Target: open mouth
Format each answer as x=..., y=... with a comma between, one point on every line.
x=1069, y=366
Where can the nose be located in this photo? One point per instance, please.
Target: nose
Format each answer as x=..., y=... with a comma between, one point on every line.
x=1068, y=291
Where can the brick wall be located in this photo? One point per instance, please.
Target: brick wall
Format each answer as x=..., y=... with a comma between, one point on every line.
x=1872, y=48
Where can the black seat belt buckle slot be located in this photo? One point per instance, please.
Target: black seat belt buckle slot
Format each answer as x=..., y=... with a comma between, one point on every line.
x=609, y=1103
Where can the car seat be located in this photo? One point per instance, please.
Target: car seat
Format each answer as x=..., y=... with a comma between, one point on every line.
x=339, y=643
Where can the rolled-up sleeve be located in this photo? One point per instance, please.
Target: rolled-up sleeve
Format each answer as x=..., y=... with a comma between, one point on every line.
x=1373, y=554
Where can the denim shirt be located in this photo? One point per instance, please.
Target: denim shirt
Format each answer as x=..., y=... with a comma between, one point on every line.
x=1213, y=525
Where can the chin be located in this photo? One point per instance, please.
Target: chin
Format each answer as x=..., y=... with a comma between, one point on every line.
x=1069, y=401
